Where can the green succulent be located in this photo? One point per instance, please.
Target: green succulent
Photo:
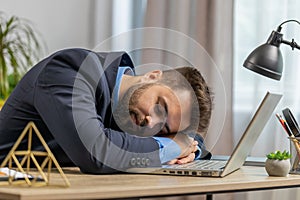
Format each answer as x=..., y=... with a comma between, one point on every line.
x=278, y=155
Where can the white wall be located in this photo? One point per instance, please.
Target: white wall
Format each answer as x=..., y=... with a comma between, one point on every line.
x=62, y=23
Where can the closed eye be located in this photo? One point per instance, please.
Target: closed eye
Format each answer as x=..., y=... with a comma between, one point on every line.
x=163, y=104
x=166, y=128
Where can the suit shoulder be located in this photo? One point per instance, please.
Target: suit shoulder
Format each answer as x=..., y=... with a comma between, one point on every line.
x=73, y=51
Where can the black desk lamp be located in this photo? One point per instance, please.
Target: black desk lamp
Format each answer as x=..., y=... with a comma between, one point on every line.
x=267, y=59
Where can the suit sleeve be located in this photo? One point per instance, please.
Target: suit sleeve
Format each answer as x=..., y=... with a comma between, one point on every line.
x=65, y=99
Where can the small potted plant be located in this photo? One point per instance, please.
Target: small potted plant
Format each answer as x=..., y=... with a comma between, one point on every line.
x=278, y=163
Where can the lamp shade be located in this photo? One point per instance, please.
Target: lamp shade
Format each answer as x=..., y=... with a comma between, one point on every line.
x=266, y=60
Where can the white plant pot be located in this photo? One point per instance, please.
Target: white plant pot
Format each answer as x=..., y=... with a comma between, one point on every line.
x=278, y=167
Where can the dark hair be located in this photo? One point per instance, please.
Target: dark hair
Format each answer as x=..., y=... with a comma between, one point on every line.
x=189, y=78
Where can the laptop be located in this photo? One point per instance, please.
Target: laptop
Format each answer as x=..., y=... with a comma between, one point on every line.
x=221, y=168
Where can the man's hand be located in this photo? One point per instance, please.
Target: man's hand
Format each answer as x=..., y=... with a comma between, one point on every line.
x=187, y=159
x=187, y=145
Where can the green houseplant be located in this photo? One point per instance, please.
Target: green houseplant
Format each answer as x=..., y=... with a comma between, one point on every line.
x=20, y=47
x=278, y=163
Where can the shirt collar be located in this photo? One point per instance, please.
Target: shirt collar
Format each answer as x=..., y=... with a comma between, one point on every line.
x=121, y=71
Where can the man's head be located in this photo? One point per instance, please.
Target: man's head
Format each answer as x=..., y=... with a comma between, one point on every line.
x=202, y=96
x=165, y=102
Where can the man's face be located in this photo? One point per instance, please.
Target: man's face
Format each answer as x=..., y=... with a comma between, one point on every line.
x=152, y=109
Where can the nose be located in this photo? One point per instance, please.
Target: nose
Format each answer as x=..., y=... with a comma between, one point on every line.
x=157, y=115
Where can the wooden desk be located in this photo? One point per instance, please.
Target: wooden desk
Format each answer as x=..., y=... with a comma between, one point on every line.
x=137, y=185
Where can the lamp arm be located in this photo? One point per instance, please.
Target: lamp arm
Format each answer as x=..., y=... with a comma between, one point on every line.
x=293, y=44
x=291, y=20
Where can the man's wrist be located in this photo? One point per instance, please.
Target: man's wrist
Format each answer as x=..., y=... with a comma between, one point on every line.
x=168, y=149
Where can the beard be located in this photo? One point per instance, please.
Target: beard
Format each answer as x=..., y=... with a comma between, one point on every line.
x=126, y=116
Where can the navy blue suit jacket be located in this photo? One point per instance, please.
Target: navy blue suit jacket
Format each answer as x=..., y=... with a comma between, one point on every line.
x=68, y=97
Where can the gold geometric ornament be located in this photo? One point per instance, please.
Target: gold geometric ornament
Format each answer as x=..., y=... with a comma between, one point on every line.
x=39, y=175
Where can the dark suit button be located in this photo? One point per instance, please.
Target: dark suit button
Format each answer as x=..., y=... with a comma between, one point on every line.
x=132, y=162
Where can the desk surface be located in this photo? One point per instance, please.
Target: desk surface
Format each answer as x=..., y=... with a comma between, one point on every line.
x=139, y=185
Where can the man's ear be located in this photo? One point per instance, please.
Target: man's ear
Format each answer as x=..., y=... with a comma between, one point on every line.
x=152, y=76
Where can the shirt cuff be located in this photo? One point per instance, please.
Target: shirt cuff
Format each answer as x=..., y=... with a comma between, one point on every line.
x=168, y=149
x=198, y=153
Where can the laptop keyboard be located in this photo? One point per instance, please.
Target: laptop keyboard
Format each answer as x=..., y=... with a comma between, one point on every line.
x=201, y=164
